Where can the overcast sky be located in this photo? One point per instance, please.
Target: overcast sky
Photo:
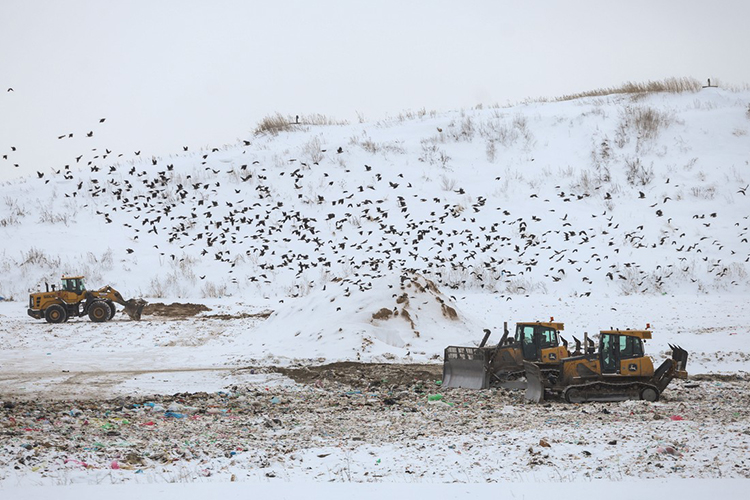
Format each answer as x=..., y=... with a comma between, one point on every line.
x=170, y=73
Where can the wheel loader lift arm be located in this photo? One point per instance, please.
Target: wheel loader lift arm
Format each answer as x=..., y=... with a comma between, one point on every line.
x=132, y=307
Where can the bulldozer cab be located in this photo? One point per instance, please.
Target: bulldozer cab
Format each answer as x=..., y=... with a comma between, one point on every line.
x=73, y=284
x=618, y=346
x=533, y=338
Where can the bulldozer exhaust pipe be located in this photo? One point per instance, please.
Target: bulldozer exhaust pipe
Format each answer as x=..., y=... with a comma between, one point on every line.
x=486, y=336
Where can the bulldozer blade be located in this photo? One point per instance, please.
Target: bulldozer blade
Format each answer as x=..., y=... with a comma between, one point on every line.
x=680, y=355
x=534, y=382
x=134, y=308
x=513, y=384
x=465, y=367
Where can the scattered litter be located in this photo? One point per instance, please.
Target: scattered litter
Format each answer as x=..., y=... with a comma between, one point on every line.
x=305, y=431
x=670, y=450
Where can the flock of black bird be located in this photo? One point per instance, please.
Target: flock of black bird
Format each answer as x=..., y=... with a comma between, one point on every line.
x=240, y=214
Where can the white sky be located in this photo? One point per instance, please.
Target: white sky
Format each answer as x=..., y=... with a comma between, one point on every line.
x=172, y=73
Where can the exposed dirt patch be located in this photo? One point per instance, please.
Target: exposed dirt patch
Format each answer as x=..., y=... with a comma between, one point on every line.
x=414, y=288
x=449, y=312
x=728, y=377
x=174, y=310
x=384, y=313
x=366, y=375
x=227, y=317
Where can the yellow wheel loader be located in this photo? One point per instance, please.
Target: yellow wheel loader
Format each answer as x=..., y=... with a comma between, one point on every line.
x=501, y=365
x=72, y=299
x=619, y=371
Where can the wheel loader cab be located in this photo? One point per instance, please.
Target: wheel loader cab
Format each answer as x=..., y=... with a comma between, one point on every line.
x=73, y=284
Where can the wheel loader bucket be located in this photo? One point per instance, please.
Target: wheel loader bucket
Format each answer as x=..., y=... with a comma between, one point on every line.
x=465, y=367
x=534, y=382
x=134, y=308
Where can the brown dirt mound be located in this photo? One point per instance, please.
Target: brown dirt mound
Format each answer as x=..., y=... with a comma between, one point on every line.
x=227, y=317
x=174, y=310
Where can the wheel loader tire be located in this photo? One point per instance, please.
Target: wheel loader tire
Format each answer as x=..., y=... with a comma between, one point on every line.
x=112, y=310
x=55, y=314
x=649, y=394
x=99, y=311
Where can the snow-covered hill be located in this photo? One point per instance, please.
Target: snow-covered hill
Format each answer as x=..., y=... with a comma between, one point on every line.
x=384, y=242
x=622, y=194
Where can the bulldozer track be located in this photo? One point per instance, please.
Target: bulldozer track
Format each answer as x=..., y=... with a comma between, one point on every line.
x=608, y=391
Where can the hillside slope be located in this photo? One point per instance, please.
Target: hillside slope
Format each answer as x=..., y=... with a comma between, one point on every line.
x=616, y=195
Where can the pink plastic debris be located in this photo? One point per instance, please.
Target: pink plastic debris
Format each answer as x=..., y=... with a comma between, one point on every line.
x=77, y=462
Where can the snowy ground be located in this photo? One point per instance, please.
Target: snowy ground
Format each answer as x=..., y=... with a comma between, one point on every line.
x=383, y=243
x=730, y=489
x=210, y=351
x=195, y=399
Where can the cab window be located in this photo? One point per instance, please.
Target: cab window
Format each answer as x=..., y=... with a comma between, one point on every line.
x=607, y=352
x=73, y=285
x=527, y=334
x=630, y=347
x=548, y=337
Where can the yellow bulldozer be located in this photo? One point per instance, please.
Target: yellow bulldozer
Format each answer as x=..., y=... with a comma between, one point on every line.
x=619, y=371
x=73, y=300
x=502, y=365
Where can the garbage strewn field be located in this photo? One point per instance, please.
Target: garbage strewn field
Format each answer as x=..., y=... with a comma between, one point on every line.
x=415, y=432
x=225, y=396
